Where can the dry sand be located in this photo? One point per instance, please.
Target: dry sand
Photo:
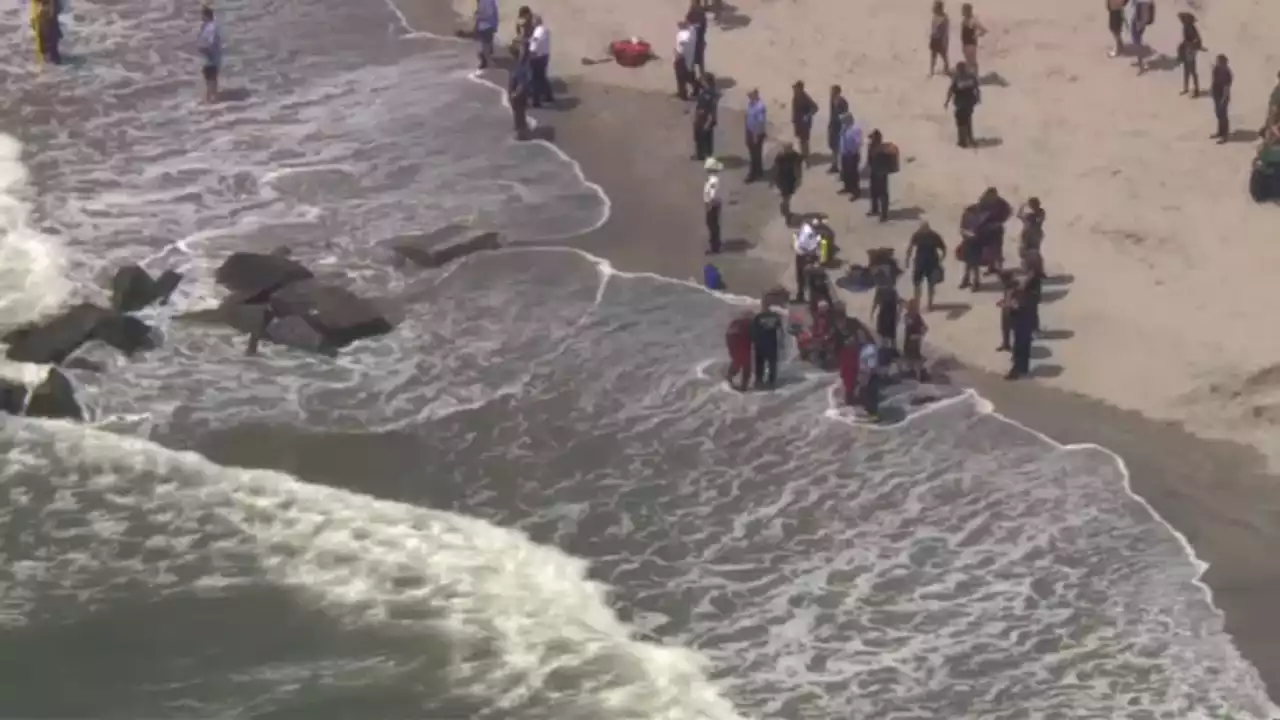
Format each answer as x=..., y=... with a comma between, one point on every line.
x=1172, y=263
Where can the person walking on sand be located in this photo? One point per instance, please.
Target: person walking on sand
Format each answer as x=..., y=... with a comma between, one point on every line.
x=706, y=114
x=965, y=95
x=939, y=39
x=697, y=19
x=787, y=169
x=519, y=89
x=1115, y=23
x=851, y=157
x=757, y=122
x=209, y=43
x=1144, y=14
x=803, y=111
x=1220, y=87
x=486, y=28
x=837, y=108
x=682, y=63
x=713, y=201
x=540, y=63
x=1191, y=46
x=970, y=31
x=927, y=249
x=880, y=164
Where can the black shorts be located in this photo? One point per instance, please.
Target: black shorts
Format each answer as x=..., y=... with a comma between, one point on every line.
x=921, y=274
x=210, y=73
x=938, y=45
x=911, y=348
x=1115, y=20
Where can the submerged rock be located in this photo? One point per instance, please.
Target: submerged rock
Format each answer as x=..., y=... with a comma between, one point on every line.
x=133, y=289
x=125, y=333
x=443, y=246
x=53, y=398
x=336, y=313
x=255, y=276
x=54, y=340
x=297, y=333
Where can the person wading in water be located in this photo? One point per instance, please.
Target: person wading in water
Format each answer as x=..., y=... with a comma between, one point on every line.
x=965, y=94
x=970, y=31
x=837, y=108
x=927, y=250
x=767, y=330
x=210, y=46
x=737, y=338
x=787, y=169
x=939, y=39
x=803, y=111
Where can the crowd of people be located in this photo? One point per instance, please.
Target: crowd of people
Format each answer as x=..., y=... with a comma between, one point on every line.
x=868, y=357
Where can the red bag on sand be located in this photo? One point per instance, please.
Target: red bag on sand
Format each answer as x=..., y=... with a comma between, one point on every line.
x=632, y=52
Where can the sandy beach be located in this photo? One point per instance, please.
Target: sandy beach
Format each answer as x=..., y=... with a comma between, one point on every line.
x=1148, y=220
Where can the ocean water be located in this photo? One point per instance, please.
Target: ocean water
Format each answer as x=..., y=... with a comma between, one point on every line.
x=565, y=514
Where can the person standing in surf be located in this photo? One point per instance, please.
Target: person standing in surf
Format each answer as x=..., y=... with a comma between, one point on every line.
x=766, y=337
x=486, y=27
x=519, y=87
x=209, y=43
x=48, y=31
x=737, y=338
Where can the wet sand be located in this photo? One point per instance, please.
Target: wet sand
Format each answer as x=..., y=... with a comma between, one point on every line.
x=635, y=144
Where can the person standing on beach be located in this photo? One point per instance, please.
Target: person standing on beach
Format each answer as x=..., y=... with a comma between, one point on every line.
x=939, y=39
x=209, y=43
x=686, y=76
x=851, y=157
x=737, y=338
x=965, y=94
x=706, y=113
x=1144, y=14
x=486, y=28
x=927, y=249
x=787, y=168
x=757, y=122
x=1191, y=46
x=885, y=305
x=970, y=31
x=913, y=332
x=519, y=87
x=880, y=164
x=1032, y=216
x=805, y=246
x=837, y=108
x=1220, y=87
x=1115, y=23
x=697, y=19
x=803, y=111
x=1023, y=320
x=540, y=63
x=767, y=331
x=713, y=201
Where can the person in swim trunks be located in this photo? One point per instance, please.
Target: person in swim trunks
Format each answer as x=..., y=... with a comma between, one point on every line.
x=927, y=249
x=1115, y=23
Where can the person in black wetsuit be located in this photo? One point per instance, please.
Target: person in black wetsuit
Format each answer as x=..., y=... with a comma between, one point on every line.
x=787, y=169
x=885, y=308
x=706, y=112
x=766, y=338
x=965, y=94
x=803, y=111
x=879, y=167
x=927, y=249
x=837, y=108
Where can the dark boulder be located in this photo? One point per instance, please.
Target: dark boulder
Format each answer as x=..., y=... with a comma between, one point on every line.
x=338, y=315
x=53, y=341
x=53, y=398
x=295, y=332
x=254, y=276
x=166, y=284
x=132, y=289
x=125, y=333
x=443, y=246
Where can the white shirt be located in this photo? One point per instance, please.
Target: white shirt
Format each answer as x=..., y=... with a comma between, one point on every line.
x=807, y=240
x=711, y=191
x=684, y=46
x=540, y=41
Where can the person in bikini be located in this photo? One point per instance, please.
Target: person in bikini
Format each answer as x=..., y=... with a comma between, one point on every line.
x=939, y=39
x=970, y=31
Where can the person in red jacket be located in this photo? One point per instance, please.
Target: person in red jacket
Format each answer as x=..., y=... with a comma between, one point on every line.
x=848, y=361
x=737, y=339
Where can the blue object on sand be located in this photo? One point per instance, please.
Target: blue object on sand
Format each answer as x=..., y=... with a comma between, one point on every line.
x=711, y=277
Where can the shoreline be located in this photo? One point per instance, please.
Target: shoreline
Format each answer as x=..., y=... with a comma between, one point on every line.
x=1215, y=494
